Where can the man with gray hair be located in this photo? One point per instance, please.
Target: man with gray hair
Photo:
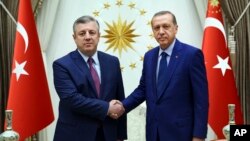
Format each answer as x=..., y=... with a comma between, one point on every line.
x=174, y=85
x=86, y=81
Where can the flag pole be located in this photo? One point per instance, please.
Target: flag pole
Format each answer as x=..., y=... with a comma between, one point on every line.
x=8, y=12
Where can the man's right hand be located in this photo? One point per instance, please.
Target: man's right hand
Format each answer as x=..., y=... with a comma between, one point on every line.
x=116, y=109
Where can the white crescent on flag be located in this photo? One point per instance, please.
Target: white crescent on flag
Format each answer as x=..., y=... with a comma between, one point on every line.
x=213, y=22
x=24, y=34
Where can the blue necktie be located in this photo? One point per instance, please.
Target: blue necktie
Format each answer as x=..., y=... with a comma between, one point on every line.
x=162, y=74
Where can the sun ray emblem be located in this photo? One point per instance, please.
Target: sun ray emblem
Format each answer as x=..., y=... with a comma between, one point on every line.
x=120, y=35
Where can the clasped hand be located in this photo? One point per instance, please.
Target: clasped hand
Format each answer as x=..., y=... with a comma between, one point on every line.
x=116, y=109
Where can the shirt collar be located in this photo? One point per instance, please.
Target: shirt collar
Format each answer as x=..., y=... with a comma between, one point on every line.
x=169, y=50
x=85, y=57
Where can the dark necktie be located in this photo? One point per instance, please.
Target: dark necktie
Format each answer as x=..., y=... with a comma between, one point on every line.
x=162, y=72
x=94, y=75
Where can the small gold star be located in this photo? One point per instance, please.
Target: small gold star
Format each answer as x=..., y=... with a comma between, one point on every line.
x=106, y=5
x=132, y=65
x=96, y=13
x=149, y=23
x=149, y=47
x=119, y=3
x=142, y=12
x=131, y=5
x=151, y=35
x=141, y=58
x=122, y=68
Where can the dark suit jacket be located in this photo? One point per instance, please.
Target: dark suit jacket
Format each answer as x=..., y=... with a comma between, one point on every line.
x=81, y=113
x=180, y=111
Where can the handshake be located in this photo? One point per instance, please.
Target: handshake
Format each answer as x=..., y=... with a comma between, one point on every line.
x=116, y=109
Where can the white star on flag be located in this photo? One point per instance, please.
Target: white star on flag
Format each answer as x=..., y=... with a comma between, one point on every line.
x=223, y=65
x=19, y=69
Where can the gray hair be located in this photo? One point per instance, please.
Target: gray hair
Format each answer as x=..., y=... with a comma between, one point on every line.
x=163, y=13
x=83, y=20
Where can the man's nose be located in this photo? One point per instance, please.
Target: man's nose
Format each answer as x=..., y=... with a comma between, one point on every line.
x=87, y=35
x=161, y=31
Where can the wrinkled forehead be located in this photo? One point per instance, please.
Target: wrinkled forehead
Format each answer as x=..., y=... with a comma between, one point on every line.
x=86, y=23
x=86, y=26
x=165, y=18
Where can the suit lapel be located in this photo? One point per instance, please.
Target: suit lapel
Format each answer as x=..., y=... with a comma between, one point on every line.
x=173, y=63
x=104, y=70
x=82, y=65
x=154, y=62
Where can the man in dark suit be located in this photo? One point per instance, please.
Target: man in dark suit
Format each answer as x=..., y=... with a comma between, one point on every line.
x=174, y=86
x=86, y=80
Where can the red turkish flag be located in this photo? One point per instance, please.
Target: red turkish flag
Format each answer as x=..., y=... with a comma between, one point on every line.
x=29, y=96
x=222, y=88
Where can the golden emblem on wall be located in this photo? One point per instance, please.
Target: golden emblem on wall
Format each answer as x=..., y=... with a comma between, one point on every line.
x=123, y=32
